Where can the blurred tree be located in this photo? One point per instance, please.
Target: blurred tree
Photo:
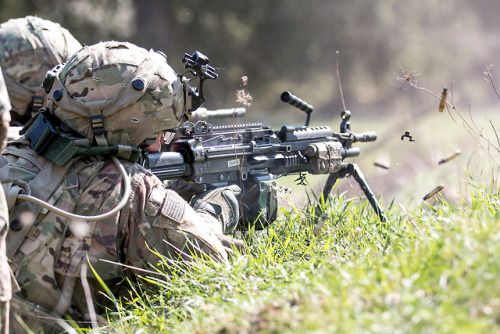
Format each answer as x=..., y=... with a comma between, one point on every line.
x=291, y=45
x=90, y=21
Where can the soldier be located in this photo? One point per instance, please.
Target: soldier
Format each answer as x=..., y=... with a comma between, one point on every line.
x=5, y=285
x=79, y=155
x=29, y=47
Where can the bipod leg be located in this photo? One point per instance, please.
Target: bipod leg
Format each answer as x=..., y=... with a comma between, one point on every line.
x=354, y=170
x=330, y=182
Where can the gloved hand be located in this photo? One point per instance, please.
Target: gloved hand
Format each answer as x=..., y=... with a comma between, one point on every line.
x=186, y=189
x=221, y=204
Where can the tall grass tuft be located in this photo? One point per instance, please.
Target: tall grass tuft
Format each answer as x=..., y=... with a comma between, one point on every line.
x=434, y=269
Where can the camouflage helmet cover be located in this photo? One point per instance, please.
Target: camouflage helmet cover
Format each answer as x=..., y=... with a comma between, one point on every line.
x=29, y=47
x=117, y=91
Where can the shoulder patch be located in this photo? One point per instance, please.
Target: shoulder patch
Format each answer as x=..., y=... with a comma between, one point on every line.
x=174, y=207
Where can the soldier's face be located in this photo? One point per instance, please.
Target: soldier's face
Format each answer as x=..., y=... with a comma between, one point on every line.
x=156, y=146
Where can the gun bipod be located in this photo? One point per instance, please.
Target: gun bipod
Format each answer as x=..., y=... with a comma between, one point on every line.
x=354, y=171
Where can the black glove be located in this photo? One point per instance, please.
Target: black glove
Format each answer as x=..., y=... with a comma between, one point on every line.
x=222, y=204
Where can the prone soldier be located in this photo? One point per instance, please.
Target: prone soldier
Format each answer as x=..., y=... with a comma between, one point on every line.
x=82, y=198
x=29, y=47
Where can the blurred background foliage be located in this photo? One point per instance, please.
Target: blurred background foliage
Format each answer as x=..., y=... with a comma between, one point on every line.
x=295, y=45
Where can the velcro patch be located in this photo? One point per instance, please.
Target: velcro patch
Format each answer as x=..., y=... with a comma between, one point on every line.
x=155, y=200
x=174, y=207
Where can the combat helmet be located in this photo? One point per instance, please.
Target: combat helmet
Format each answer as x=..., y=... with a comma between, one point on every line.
x=116, y=93
x=29, y=47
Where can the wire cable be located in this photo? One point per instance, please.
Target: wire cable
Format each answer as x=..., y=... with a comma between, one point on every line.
x=126, y=194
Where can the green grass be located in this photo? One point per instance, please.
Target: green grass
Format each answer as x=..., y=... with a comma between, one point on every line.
x=434, y=269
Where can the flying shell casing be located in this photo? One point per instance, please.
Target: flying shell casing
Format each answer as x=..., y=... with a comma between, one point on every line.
x=433, y=192
x=442, y=103
x=381, y=165
x=453, y=156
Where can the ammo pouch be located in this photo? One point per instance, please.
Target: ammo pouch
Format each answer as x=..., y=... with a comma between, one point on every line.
x=45, y=140
x=259, y=202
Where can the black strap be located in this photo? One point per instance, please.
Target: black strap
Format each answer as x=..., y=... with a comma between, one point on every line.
x=45, y=140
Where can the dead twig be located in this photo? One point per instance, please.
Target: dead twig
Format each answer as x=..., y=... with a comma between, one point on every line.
x=476, y=134
x=338, y=80
x=490, y=79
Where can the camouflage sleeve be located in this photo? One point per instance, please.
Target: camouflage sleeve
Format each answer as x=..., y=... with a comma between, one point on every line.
x=156, y=220
x=165, y=222
x=4, y=112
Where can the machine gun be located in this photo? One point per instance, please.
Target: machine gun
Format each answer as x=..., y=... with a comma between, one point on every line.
x=251, y=154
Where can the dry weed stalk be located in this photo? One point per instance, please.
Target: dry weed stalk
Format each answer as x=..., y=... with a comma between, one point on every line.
x=338, y=80
x=242, y=96
x=470, y=127
x=490, y=79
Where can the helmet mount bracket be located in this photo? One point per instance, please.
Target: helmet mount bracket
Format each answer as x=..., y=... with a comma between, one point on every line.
x=197, y=65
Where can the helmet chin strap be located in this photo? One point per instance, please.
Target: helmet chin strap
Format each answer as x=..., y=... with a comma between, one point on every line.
x=97, y=125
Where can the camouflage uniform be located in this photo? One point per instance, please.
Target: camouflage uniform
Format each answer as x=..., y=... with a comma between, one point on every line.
x=29, y=47
x=131, y=94
x=5, y=285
